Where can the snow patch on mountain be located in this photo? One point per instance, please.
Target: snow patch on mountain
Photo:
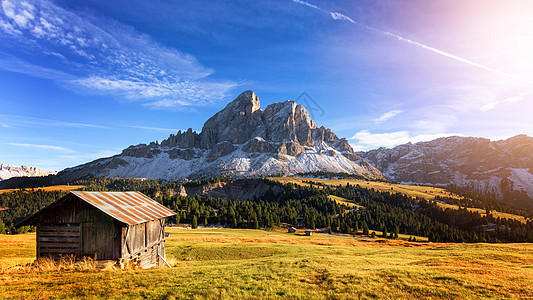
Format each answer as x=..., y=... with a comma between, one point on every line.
x=496, y=168
x=9, y=171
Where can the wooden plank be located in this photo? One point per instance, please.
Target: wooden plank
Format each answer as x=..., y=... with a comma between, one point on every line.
x=54, y=234
x=59, y=233
x=59, y=245
x=60, y=228
x=60, y=251
x=62, y=239
x=38, y=244
x=55, y=240
x=58, y=236
x=126, y=248
x=145, y=249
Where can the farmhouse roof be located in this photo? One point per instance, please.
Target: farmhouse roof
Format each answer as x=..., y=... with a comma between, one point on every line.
x=130, y=208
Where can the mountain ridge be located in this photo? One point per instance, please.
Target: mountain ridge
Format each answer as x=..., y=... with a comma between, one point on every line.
x=502, y=169
x=241, y=140
x=9, y=171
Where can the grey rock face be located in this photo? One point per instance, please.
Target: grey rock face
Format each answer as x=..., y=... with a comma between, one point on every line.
x=140, y=151
x=282, y=128
x=186, y=154
x=219, y=150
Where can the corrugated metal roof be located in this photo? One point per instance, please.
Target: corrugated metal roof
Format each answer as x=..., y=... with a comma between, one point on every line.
x=127, y=207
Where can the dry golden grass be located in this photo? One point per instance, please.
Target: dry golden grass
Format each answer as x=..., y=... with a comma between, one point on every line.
x=256, y=264
x=66, y=263
x=65, y=188
x=247, y=236
x=425, y=192
x=345, y=202
x=16, y=249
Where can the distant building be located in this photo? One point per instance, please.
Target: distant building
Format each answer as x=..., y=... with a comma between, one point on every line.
x=292, y=230
x=122, y=226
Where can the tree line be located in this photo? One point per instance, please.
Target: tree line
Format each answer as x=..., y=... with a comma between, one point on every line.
x=306, y=206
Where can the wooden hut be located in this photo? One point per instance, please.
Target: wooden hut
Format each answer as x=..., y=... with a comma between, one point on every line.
x=120, y=226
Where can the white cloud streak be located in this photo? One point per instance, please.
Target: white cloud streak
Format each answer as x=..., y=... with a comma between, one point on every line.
x=102, y=57
x=388, y=115
x=367, y=140
x=167, y=130
x=306, y=4
x=17, y=120
x=89, y=156
x=494, y=104
x=39, y=146
x=342, y=17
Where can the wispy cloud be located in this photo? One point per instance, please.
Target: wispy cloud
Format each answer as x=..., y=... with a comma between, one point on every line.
x=102, y=56
x=17, y=120
x=13, y=64
x=168, y=130
x=365, y=140
x=4, y=126
x=39, y=146
x=88, y=156
x=386, y=116
x=306, y=4
x=492, y=105
x=343, y=17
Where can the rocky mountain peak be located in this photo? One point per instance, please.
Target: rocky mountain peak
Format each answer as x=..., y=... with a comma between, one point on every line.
x=235, y=123
x=240, y=139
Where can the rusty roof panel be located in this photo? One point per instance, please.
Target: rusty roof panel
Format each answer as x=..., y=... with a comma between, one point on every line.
x=127, y=207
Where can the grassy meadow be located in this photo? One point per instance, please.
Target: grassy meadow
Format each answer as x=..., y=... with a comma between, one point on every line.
x=64, y=188
x=426, y=192
x=233, y=263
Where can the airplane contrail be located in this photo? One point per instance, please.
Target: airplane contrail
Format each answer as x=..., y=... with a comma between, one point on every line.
x=342, y=17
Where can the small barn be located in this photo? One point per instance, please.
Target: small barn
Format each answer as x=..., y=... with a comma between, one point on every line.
x=122, y=226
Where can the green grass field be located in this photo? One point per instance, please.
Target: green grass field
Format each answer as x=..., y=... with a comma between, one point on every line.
x=229, y=264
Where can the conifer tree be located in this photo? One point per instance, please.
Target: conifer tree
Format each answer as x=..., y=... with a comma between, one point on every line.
x=365, y=228
x=194, y=224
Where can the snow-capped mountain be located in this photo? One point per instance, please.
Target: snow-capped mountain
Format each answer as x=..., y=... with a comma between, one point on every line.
x=502, y=168
x=240, y=140
x=9, y=171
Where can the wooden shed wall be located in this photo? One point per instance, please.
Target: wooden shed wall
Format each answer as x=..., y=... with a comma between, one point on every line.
x=74, y=221
x=144, y=242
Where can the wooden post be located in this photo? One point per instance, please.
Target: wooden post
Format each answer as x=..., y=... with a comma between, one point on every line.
x=125, y=244
x=164, y=260
x=37, y=242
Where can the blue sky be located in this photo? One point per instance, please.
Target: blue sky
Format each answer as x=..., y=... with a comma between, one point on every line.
x=80, y=80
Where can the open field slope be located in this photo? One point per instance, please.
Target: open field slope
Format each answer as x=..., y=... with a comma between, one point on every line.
x=425, y=192
x=229, y=264
x=64, y=188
